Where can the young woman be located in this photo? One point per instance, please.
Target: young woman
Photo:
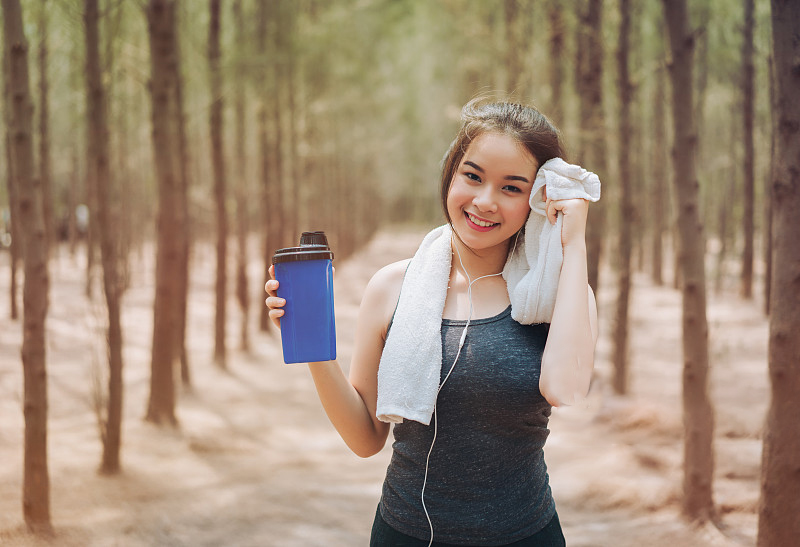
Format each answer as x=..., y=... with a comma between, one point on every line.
x=475, y=473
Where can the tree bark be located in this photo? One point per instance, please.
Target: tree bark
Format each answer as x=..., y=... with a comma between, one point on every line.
x=182, y=220
x=162, y=34
x=72, y=203
x=697, y=502
x=592, y=118
x=659, y=177
x=98, y=158
x=556, y=59
x=748, y=96
x=218, y=167
x=13, y=225
x=725, y=207
x=620, y=379
x=265, y=174
x=275, y=230
x=513, y=47
x=768, y=190
x=780, y=467
x=35, y=481
x=91, y=233
x=44, y=132
x=242, y=186
x=297, y=214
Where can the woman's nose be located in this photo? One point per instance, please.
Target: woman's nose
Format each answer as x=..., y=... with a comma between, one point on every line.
x=484, y=200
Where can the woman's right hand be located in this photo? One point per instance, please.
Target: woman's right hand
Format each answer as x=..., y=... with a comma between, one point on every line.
x=273, y=301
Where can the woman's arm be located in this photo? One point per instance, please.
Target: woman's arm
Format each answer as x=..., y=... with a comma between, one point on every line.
x=350, y=403
x=568, y=358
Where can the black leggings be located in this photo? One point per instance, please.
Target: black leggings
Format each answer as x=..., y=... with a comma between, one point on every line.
x=384, y=535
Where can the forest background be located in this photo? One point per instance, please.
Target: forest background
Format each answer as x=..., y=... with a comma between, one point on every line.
x=164, y=133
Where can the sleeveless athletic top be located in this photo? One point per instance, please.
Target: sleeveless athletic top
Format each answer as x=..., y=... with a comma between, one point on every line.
x=487, y=480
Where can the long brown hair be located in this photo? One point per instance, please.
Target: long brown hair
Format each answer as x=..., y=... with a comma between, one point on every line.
x=523, y=123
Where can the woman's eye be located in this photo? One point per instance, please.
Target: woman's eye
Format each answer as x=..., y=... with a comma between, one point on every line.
x=472, y=176
x=510, y=188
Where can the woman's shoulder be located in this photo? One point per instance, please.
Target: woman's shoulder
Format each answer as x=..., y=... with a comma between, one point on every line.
x=383, y=291
x=388, y=280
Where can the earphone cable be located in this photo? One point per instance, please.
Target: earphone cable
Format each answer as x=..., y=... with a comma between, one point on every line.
x=435, y=404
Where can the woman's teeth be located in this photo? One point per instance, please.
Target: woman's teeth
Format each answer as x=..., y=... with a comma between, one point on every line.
x=480, y=222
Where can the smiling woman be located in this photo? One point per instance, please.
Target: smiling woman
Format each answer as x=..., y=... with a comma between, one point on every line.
x=527, y=127
x=487, y=396
x=493, y=198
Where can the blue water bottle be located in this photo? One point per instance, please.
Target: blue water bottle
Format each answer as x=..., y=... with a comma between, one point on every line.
x=305, y=281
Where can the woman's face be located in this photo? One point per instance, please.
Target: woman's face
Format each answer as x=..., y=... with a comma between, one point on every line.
x=488, y=197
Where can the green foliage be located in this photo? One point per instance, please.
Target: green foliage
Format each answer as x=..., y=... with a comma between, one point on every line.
x=377, y=86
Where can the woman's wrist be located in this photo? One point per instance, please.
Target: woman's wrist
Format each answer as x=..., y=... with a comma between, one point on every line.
x=577, y=249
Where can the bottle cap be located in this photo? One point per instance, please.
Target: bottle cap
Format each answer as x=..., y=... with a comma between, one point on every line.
x=313, y=246
x=313, y=238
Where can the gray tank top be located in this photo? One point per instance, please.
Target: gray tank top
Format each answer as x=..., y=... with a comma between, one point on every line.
x=487, y=480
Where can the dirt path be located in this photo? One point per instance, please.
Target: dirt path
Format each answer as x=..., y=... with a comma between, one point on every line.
x=256, y=462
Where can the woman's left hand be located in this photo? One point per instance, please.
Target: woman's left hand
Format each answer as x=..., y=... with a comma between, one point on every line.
x=573, y=227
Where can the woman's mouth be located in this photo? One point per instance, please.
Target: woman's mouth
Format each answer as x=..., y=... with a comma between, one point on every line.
x=478, y=223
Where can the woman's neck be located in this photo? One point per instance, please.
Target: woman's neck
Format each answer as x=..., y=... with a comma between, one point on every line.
x=478, y=263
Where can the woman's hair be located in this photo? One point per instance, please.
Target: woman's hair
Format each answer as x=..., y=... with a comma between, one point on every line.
x=525, y=124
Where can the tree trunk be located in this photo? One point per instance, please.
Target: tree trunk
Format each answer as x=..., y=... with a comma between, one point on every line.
x=592, y=153
x=162, y=33
x=780, y=468
x=513, y=47
x=640, y=185
x=35, y=481
x=44, y=132
x=13, y=249
x=125, y=230
x=748, y=93
x=183, y=221
x=297, y=213
x=91, y=234
x=275, y=230
x=659, y=177
x=556, y=59
x=697, y=502
x=98, y=159
x=265, y=174
x=218, y=167
x=13, y=225
x=620, y=380
x=72, y=203
x=725, y=207
x=768, y=190
x=242, y=187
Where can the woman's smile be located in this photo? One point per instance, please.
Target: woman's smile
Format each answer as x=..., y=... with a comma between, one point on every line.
x=477, y=223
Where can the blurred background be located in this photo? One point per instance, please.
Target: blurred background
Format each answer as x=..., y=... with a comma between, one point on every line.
x=173, y=145
x=346, y=108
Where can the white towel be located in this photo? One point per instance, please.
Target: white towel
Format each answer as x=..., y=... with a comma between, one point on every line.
x=411, y=363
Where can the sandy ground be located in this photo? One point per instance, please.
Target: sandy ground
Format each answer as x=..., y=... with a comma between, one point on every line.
x=256, y=462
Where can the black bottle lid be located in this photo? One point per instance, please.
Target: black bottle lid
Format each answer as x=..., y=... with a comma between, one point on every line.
x=314, y=238
x=313, y=246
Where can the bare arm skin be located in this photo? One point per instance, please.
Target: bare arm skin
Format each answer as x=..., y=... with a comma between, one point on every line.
x=568, y=358
x=350, y=402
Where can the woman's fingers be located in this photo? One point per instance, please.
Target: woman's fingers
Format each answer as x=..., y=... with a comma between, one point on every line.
x=271, y=287
x=275, y=317
x=273, y=301
x=574, y=222
x=551, y=208
x=275, y=305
